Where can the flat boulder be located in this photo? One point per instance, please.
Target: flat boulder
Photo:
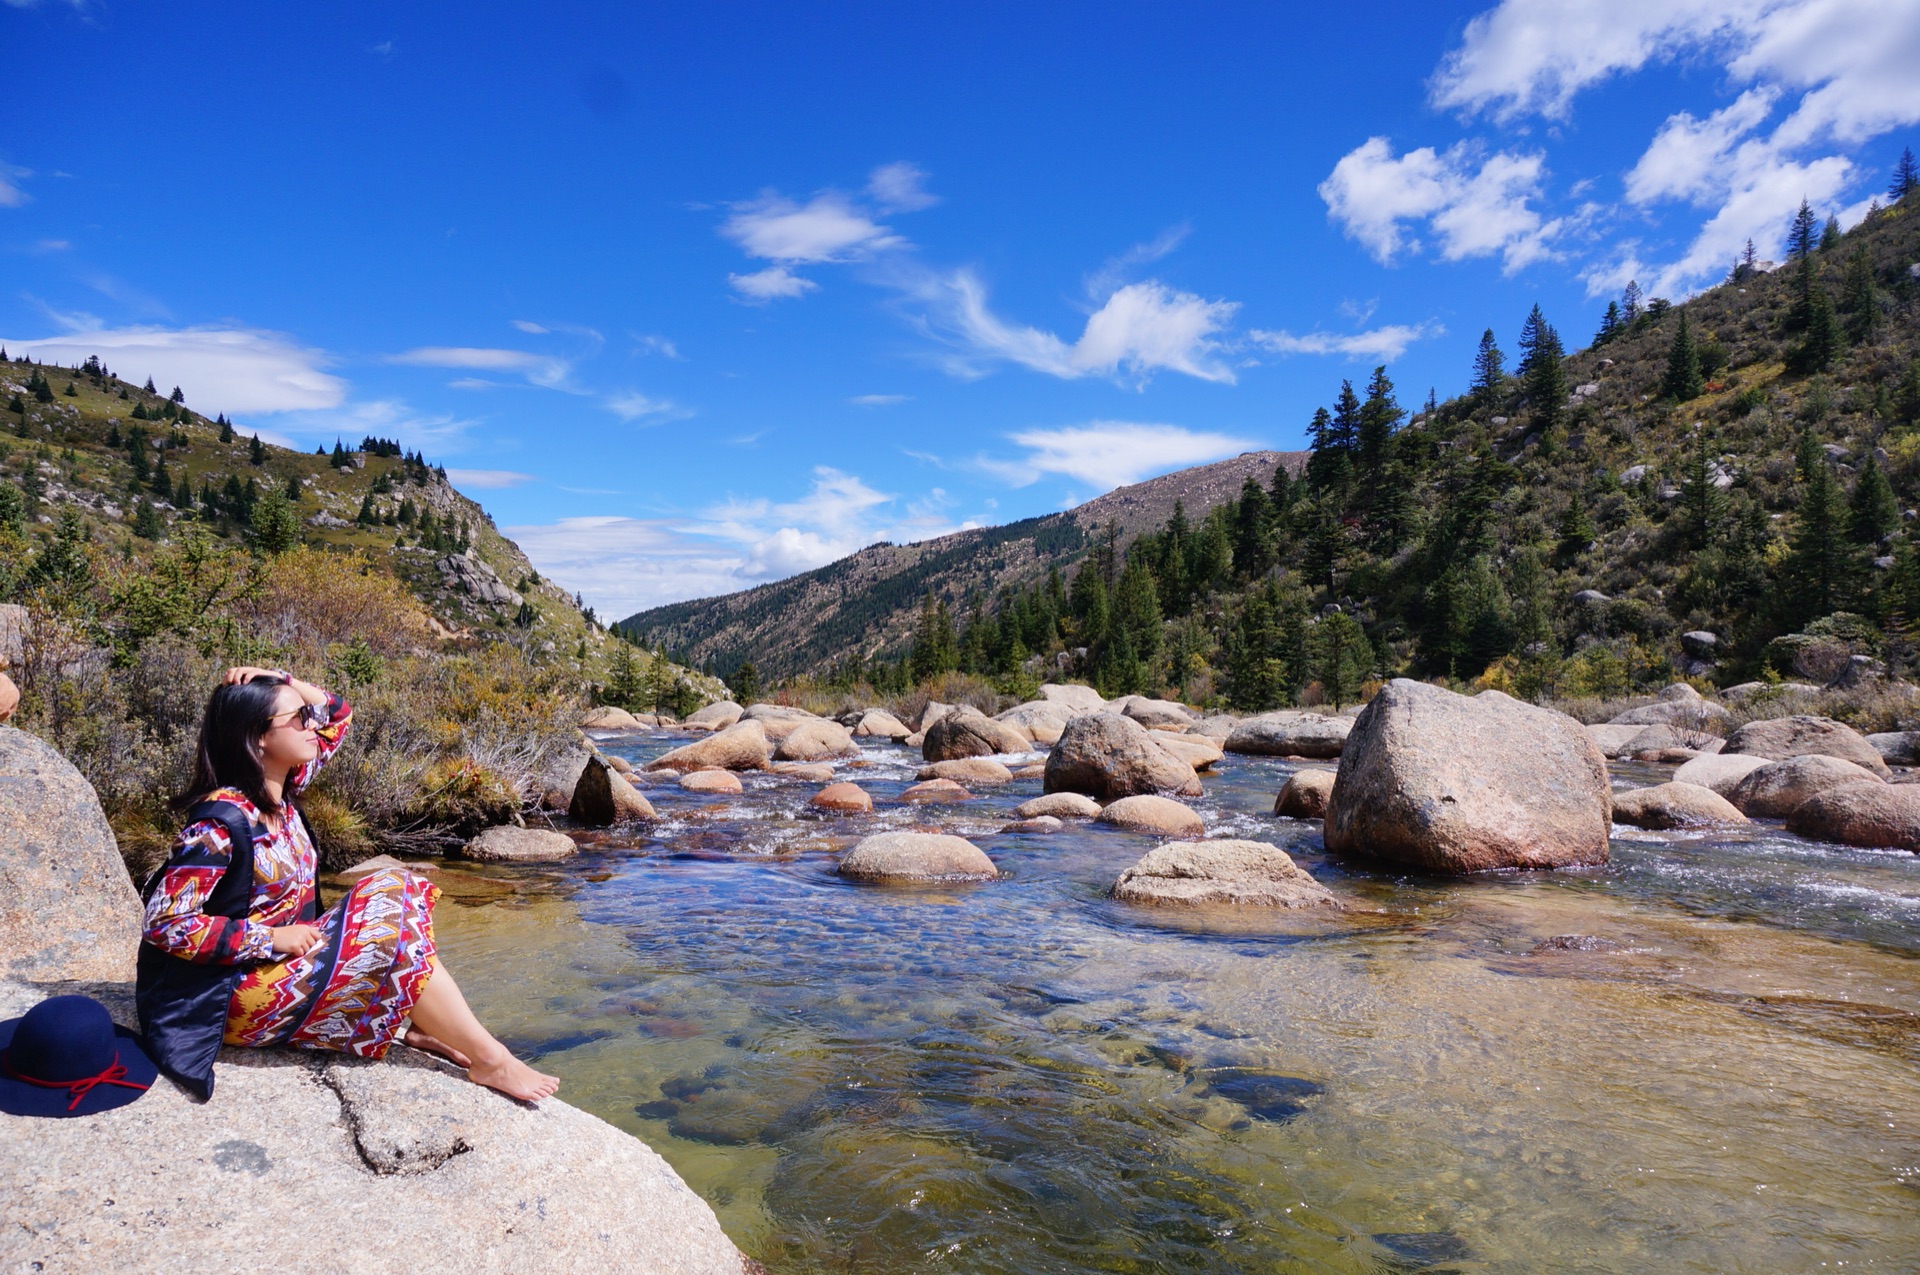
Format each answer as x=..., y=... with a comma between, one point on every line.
x=1039, y=823
x=901, y=858
x=1871, y=815
x=804, y=772
x=843, y=798
x=816, y=740
x=1897, y=748
x=717, y=716
x=1777, y=789
x=1687, y=710
x=1108, y=756
x=1235, y=873
x=1219, y=726
x=711, y=781
x=508, y=844
x=1721, y=772
x=1161, y=816
x=879, y=724
x=935, y=790
x=602, y=796
x=607, y=717
x=1305, y=794
x=1448, y=783
x=1783, y=737
x=1197, y=751
x=1062, y=805
x=67, y=907
x=1073, y=696
x=968, y=732
x=1674, y=805
x=1154, y=712
x=1615, y=741
x=930, y=712
x=1039, y=721
x=339, y=1142
x=969, y=770
x=1290, y=733
x=779, y=720
x=739, y=747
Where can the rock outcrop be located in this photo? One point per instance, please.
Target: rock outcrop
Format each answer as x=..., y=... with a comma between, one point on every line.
x=968, y=732
x=1777, y=789
x=361, y=1153
x=1161, y=816
x=466, y=573
x=508, y=844
x=1784, y=737
x=1109, y=756
x=602, y=796
x=1674, y=805
x=898, y=858
x=67, y=909
x=1238, y=873
x=1305, y=795
x=1290, y=734
x=742, y=746
x=1447, y=783
x=1872, y=815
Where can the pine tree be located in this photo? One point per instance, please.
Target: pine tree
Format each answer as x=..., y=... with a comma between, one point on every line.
x=1343, y=657
x=162, y=481
x=1542, y=370
x=176, y=397
x=226, y=429
x=1683, y=380
x=113, y=436
x=1906, y=402
x=1379, y=416
x=1631, y=307
x=1862, y=306
x=1906, y=176
x=146, y=521
x=1874, y=511
x=366, y=517
x=256, y=451
x=1822, y=342
x=1609, y=325
x=293, y=487
x=1576, y=530
x=149, y=386
x=1830, y=235
x=1489, y=369
x=72, y=390
x=1801, y=234
x=183, y=495
x=1252, y=531
x=1819, y=557
x=1345, y=432
x=275, y=527
x=1702, y=503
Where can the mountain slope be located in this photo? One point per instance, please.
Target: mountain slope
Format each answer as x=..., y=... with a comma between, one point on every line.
x=865, y=604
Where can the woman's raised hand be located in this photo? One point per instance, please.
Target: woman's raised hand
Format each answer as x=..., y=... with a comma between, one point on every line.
x=295, y=940
x=241, y=673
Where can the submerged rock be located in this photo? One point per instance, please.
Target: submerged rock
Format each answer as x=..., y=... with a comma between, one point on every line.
x=67, y=908
x=1061, y=805
x=508, y=844
x=1109, y=756
x=1440, y=781
x=968, y=732
x=1161, y=816
x=935, y=790
x=1039, y=823
x=739, y=747
x=1775, y=790
x=1305, y=795
x=1784, y=737
x=1290, y=734
x=1674, y=805
x=711, y=781
x=1872, y=815
x=969, y=770
x=906, y=857
x=1243, y=873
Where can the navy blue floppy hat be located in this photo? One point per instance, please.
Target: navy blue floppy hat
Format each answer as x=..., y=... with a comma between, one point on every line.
x=66, y=1057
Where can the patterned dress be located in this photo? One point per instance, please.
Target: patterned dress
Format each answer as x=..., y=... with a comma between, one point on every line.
x=353, y=990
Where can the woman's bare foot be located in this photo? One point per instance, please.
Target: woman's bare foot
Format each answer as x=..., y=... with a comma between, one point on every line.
x=434, y=1045
x=514, y=1078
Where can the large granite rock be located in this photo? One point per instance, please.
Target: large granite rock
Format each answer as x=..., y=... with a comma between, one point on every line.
x=1108, y=756
x=1154, y=712
x=1777, y=789
x=1290, y=734
x=607, y=717
x=1447, y=783
x=1240, y=873
x=743, y=746
x=816, y=740
x=1784, y=737
x=1674, y=805
x=896, y=858
x=1305, y=795
x=1073, y=696
x=508, y=844
x=715, y=716
x=1040, y=721
x=1197, y=751
x=968, y=732
x=1898, y=747
x=466, y=573
x=877, y=723
x=1614, y=741
x=779, y=720
x=67, y=908
x=1875, y=815
x=968, y=770
x=1721, y=772
x=842, y=798
x=400, y=1165
x=721, y=782
x=602, y=796
x=1161, y=816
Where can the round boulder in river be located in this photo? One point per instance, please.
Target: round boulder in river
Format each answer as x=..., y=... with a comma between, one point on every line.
x=1305, y=795
x=1877, y=816
x=1784, y=737
x=1290, y=734
x=890, y=858
x=1721, y=772
x=1161, y=816
x=1776, y=789
x=1447, y=783
x=712, y=781
x=968, y=732
x=1674, y=805
x=1109, y=756
x=1244, y=873
x=850, y=798
x=508, y=844
x=1061, y=805
x=743, y=746
x=968, y=770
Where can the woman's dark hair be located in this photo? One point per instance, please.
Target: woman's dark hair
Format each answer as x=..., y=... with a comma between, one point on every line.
x=228, y=755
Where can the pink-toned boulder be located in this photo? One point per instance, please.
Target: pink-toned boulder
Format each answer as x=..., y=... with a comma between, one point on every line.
x=1063, y=805
x=906, y=858
x=803, y=772
x=1675, y=805
x=1777, y=789
x=711, y=781
x=969, y=770
x=1238, y=873
x=935, y=790
x=1721, y=772
x=1305, y=794
x=714, y=717
x=1784, y=737
x=1109, y=756
x=968, y=732
x=816, y=740
x=1161, y=816
x=740, y=747
x=843, y=797
x=1873, y=815
x=1197, y=751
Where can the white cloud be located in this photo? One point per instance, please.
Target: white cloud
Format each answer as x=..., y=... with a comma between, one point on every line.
x=530, y=327
x=1681, y=160
x=543, y=370
x=900, y=187
x=1115, y=271
x=487, y=479
x=1142, y=328
x=11, y=196
x=826, y=228
x=633, y=406
x=230, y=370
x=382, y=418
x=879, y=400
x=623, y=565
x=1109, y=454
x=1478, y=205
x=1385, y=343
x=658, y=345
x=772, y=283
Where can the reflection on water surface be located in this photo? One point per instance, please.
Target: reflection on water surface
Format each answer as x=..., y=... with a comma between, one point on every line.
x=1703, y=1057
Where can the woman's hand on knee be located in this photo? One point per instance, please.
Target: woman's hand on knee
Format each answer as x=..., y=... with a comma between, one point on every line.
x=295, y=940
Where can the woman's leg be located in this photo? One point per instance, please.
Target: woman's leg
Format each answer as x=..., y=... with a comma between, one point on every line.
x=442, y=1013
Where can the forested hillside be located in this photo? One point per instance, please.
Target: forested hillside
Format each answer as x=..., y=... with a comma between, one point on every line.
x=1722, y=489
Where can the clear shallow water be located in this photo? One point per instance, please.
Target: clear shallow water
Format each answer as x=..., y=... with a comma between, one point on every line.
x=1025, y=1076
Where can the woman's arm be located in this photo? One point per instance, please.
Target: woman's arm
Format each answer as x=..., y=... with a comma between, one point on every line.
x=338, y=712
x=174, y=920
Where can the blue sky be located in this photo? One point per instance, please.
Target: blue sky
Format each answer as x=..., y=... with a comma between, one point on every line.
x=694, y=300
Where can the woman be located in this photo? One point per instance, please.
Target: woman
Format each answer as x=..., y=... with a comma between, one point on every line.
x=252, y=961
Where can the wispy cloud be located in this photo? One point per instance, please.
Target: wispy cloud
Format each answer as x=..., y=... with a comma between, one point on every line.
x=1385, y=343
x=231, y=370
x=879, y=400
x=633, y=406
x=658, y=345
x=900, y=187
x=771, y=284
x=11, y=195
x=487, y=479
x=1109, y=454
x=543, y=370
x=437, y=432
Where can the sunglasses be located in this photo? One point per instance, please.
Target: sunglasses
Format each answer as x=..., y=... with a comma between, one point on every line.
x=306, y=717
